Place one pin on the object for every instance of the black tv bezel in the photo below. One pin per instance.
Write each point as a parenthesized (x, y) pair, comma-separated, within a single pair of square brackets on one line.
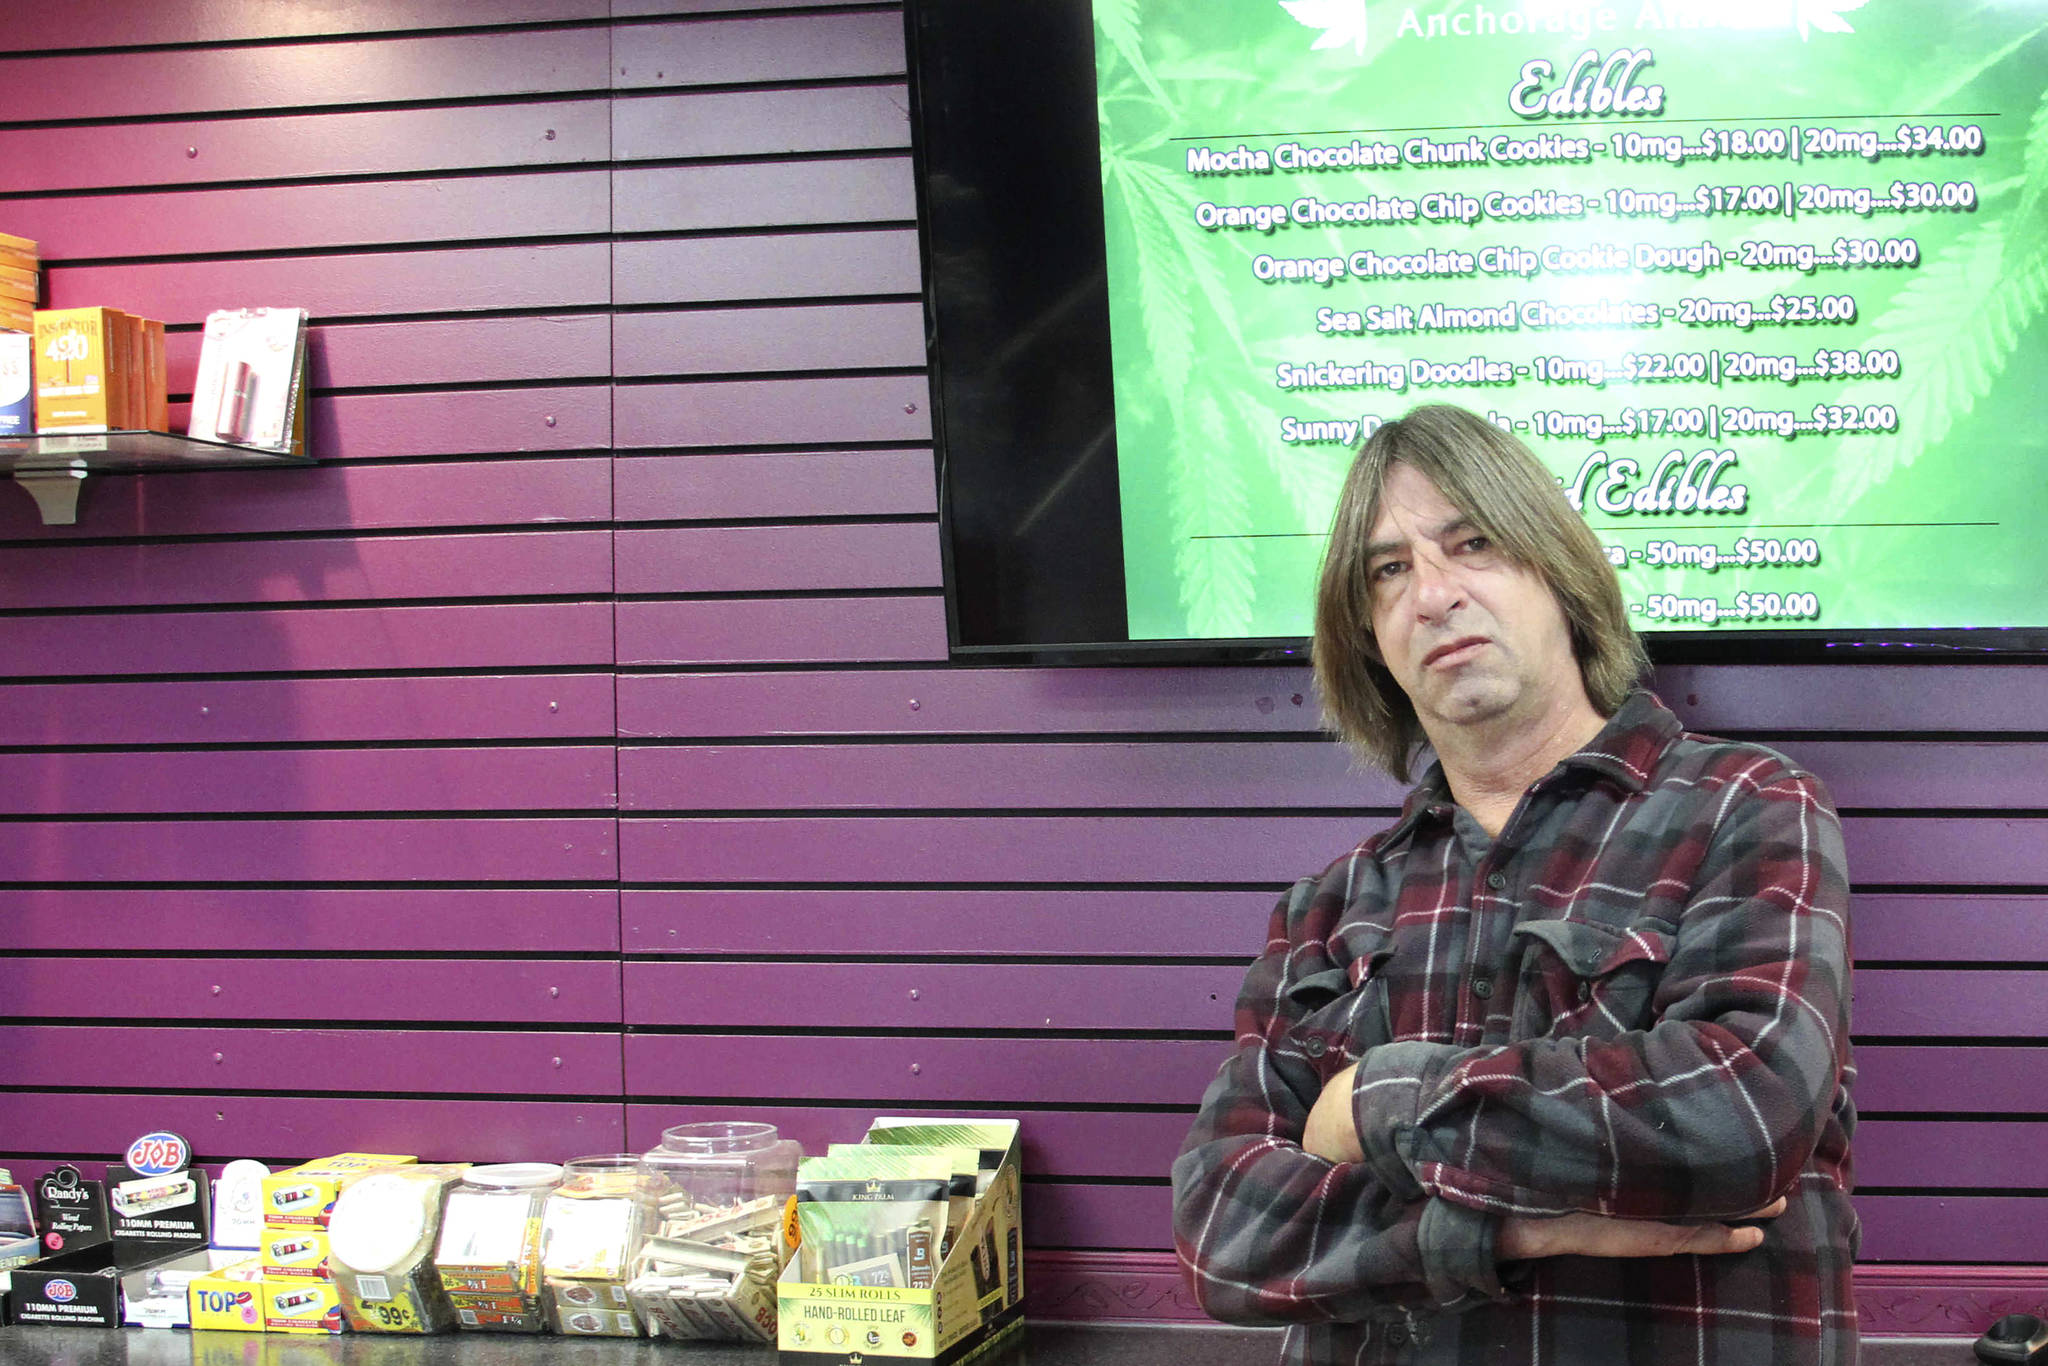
[(1733, 645)]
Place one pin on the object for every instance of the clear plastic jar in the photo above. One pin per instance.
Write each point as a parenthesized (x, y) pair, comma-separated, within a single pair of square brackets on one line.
[(592, 1228), (719, 1190), (489, 1252)]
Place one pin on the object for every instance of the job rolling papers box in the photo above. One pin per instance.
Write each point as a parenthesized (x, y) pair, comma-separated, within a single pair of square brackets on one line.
[(976, 1306)]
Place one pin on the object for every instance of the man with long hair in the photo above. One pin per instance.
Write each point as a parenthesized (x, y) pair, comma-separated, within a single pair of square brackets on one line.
[(1555, 1068)]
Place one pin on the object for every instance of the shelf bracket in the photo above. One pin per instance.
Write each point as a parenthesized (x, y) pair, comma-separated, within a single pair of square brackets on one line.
[(55, 487)]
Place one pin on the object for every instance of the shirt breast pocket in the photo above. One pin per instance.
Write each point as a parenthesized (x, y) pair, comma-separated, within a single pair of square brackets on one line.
[(1344, 1006), (1584, 979)]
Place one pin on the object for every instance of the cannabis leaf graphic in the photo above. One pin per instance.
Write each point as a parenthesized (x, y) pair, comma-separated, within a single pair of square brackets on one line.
[(1826, 15), (1343, 21)]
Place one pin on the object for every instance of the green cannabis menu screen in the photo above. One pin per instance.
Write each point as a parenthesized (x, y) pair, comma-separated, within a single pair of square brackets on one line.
[(1762, 282)]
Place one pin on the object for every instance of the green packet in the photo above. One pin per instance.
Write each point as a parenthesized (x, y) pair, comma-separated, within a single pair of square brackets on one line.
[(966, 1184), (872, 1217), (991, 1138)]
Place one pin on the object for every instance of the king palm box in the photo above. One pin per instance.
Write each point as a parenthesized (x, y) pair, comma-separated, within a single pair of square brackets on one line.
[(839, 1305)]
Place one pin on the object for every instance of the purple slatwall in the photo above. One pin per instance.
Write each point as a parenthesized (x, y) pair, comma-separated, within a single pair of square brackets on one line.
[(573, 751), (309, 828)]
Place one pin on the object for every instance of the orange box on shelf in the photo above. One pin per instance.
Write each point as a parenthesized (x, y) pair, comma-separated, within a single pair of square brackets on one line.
[(76, 379)]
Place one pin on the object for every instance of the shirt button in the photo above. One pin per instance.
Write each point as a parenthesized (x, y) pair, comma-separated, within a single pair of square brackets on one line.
[(1496, 880), (1585, 991), (1396, 1335), (1313, 1047), (1482, 987)]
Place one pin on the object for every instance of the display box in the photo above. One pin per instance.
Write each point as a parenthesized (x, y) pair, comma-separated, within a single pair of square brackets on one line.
[(90, 1288), (977, 1303), (229, 1299), (251, 379), (17, 392), (301, 1306), (303, 1196), (77, 352), (74, 1210), (296, 1253)]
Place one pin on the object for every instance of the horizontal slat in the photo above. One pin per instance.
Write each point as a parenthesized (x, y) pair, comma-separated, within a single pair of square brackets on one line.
[(775, 194), (969, 702), (938, 777), (1070, 849), (1075, 1214), (826, 484), (757, 122), (779, 48), (521, 706), (1951, 1002), (372, 142), (504, 849), (388, 1062), (282, 1130), (1949, 1156), (1123, 924), (1951, 1079), (1951, 1228), (115, 23), (336, 497), (887, 995), (1922, 927), (768, 559), (775, 630), (365, 568), (765, 266), (1970, 850), (561, 275), (469, 779), (327, 990), (733, 341), (1055, 1142), (966, 849), (463, 351), (283, 217), (313, 920), (1856, 697), (774, 412), (301, 75), (570, 417), (545, 635), (1227, 775), (913, 1072)]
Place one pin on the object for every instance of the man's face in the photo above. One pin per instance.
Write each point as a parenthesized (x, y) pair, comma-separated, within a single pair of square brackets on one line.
[(1470, 635)]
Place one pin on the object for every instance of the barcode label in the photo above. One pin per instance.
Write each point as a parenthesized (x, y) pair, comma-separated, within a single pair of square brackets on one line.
[(468, 1317), (373, 1288)]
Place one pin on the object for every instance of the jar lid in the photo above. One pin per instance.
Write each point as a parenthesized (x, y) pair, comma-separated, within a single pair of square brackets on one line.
[(718, 1137), (515, 1175), (381, 1223)]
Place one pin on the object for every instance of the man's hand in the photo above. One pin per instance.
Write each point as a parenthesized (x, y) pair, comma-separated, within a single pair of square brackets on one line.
[(1331, 1132), (1591, 1235)]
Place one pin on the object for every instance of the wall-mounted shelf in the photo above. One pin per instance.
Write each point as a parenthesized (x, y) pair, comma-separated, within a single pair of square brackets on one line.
[(53, 468)]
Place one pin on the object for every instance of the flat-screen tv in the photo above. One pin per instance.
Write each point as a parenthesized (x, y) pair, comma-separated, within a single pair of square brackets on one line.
[(1763, 282)]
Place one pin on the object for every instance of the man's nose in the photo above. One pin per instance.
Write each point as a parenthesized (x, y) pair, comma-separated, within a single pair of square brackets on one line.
[(1438, 589)]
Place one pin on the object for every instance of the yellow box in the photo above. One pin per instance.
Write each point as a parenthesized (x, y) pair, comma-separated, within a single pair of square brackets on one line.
[(303, 1196), (977, 1304), (75, 369), (230, 1298), (296, 1306), (296, 1253)]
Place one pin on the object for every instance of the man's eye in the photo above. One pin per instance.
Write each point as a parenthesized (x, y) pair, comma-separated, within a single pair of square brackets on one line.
[(1383, 571), (1474, 544)]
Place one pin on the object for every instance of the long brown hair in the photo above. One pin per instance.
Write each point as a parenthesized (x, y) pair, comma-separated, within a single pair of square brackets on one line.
[(1492, 479)]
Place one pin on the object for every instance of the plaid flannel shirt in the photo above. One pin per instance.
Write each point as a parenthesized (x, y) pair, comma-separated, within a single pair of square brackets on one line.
[(1633, 1002)]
